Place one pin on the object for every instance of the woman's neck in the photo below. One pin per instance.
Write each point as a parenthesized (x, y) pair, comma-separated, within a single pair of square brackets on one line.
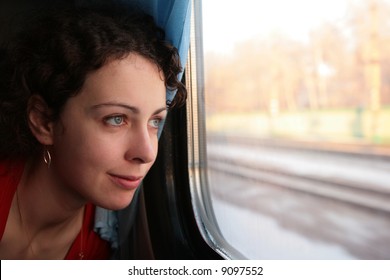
[(44, 202)]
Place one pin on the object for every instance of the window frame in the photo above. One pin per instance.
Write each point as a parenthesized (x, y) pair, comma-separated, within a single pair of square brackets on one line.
[(197, 146)]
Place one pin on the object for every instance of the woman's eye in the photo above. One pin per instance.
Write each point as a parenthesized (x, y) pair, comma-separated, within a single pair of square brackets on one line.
[(155, 123), (115, 120)]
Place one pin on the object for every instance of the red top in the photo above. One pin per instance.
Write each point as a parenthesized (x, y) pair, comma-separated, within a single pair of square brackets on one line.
[(93, 247)]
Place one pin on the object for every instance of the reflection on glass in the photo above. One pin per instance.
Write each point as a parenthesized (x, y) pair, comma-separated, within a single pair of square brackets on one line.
[(297, 113)]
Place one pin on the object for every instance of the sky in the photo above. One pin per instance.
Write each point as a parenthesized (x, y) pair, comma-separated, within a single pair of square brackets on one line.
[(227, 21)]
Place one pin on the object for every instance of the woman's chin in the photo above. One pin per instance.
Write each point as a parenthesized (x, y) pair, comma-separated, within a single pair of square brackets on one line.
[(116, 204)]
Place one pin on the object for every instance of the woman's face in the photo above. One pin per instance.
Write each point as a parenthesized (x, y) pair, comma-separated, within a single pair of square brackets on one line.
[(106, 139)]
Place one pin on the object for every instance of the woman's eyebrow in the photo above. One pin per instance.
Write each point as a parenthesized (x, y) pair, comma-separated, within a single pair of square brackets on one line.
[(115, 104), (160, 110), (133, 109)]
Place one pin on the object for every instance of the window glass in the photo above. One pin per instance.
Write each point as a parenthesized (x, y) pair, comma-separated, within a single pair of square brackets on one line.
[(297, 104)]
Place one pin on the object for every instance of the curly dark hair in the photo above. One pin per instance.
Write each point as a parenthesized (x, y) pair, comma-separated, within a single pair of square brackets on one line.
[(53, 56)]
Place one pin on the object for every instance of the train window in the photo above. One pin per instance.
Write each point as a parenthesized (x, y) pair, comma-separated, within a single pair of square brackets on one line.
[(290, 135)]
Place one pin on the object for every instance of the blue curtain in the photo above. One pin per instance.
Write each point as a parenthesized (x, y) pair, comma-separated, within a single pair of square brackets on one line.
[(174, 17), (171, 15)]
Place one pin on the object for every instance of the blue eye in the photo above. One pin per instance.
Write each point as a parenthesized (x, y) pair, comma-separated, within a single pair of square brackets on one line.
[(155, 123), (115, 120)]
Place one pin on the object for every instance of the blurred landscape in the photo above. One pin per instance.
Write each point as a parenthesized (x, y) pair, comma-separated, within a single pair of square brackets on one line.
[(334, 86)]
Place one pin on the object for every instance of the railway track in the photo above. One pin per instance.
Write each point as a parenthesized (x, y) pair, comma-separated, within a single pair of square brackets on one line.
[(338, 182)]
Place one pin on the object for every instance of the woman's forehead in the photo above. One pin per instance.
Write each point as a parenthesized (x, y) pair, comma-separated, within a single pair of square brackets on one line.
[(134, 81)]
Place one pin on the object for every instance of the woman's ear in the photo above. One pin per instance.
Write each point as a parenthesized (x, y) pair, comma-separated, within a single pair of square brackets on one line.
[(39, 121)]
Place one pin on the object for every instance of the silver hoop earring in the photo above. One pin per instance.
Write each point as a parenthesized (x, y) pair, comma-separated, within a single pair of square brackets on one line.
[(47, 157)]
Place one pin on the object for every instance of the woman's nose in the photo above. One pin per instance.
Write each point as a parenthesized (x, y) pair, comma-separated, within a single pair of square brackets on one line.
[(142, 147)]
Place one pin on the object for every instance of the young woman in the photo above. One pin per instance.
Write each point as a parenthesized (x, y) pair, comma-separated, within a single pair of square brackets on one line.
[(82, 97)]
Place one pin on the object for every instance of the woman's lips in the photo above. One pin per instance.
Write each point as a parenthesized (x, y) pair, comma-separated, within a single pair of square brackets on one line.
[(125, 182)]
